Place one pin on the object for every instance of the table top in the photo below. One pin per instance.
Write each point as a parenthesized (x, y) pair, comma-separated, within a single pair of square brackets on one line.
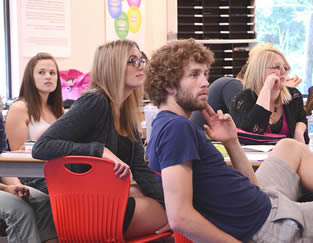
[(20, 164), (18, 157)]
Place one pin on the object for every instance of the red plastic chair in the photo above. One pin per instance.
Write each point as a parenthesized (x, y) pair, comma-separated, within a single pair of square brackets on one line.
[(179, 238), (89, 206)]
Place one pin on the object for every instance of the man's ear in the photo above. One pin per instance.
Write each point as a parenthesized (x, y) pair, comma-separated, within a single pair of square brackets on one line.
[(171, 91)]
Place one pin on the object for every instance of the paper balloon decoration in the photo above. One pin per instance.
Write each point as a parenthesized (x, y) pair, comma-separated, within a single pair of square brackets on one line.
[(134, 3), (121, 25), (115, 8), (134, 19)]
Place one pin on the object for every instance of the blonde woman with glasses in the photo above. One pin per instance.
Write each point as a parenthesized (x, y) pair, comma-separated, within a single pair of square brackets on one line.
[(103, 122), (266, 104)]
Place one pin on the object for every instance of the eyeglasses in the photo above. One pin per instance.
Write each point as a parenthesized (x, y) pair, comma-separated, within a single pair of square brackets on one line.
[(280, 67), (135, 61)]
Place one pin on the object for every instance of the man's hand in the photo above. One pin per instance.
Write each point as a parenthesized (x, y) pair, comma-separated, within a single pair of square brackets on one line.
[(221, 127), (20, 191)]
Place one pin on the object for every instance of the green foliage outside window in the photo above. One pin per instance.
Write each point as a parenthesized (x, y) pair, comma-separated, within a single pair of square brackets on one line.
[(288, 25)]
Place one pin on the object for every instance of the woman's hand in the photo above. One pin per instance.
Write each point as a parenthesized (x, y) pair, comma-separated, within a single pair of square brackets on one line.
[(272, 82), (272, 85), (121, 169), (293, 82)]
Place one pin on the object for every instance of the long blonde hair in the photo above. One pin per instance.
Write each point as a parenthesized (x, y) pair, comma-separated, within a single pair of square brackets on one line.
[(108, 76), (255, 75)]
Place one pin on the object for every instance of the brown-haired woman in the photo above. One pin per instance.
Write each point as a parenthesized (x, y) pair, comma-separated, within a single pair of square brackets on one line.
[(39, 105)]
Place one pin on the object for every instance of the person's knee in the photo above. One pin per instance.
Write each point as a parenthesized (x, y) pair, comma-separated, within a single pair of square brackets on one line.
[(19, 210), (288, 147), (291, 145), (287, 143)]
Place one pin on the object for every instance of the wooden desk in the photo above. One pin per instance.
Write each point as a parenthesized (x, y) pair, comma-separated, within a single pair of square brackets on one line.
[(20, 164)]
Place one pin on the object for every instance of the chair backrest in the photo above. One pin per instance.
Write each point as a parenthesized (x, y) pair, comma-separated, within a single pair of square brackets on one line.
[(179, 238), (89, 206)]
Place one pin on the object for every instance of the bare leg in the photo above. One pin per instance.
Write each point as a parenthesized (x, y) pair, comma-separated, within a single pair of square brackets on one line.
[(297, 156), (149, 215)]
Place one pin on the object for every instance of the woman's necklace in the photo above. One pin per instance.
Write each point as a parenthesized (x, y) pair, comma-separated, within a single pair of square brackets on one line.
[(275, 113), (276, 106)]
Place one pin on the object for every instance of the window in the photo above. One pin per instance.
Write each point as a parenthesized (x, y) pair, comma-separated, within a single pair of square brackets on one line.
[(2, 57), (5, 90), (288, 25)]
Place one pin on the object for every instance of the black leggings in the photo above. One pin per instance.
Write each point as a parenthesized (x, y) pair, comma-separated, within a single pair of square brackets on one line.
[(130, 209)]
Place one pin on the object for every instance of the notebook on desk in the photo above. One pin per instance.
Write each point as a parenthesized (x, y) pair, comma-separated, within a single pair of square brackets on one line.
[(255, 153), (257, 148)]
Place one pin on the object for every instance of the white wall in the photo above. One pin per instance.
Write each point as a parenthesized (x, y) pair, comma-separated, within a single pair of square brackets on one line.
[(88, 32)]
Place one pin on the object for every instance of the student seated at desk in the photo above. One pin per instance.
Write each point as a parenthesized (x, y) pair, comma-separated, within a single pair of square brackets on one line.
[(27, 213), (25, 210), (103, 123), (39, 105), (266, 104), (207, 200)]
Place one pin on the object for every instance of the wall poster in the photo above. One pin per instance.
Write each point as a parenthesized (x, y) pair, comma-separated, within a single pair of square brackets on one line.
[(46, 27)]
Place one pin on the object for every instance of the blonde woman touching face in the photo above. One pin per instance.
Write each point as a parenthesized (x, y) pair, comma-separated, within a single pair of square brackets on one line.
[(267, 104)]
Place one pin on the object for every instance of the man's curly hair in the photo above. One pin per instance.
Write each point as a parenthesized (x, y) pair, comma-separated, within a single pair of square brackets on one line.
[(166, 67)]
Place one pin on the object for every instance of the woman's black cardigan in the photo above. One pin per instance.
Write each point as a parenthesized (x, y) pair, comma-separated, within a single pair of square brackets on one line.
[(86, 129), (251, 117)]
